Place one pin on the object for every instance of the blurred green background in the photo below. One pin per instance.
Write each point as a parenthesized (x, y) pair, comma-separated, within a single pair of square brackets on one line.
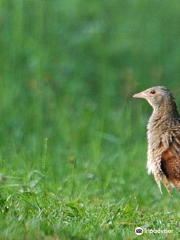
[(65, 61), (68, 70)]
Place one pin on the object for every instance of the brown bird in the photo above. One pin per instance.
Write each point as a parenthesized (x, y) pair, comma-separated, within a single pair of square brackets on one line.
[(163, 134)]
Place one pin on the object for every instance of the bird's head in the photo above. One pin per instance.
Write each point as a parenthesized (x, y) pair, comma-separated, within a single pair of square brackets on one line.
[(156, 96)]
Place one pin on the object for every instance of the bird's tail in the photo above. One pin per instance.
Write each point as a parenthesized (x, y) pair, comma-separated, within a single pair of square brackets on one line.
[(176, 183), (167, 184)]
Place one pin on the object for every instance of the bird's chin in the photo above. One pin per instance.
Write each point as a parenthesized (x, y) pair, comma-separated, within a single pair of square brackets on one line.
[(150, 103)]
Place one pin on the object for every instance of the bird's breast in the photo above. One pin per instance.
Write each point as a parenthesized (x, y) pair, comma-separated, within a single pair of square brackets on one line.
[(156, 129)]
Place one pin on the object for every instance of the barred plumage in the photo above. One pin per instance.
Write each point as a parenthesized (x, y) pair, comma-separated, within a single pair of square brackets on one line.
[(163, 136)]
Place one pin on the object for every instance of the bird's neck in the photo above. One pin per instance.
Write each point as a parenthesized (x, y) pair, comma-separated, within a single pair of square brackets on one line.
[(166, 111), (163, 116)]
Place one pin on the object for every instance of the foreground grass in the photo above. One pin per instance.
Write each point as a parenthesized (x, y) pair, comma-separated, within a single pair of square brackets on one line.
[(47, 216), (98, 189)]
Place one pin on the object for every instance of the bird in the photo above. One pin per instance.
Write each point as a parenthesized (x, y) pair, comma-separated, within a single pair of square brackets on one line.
[(163, 136)]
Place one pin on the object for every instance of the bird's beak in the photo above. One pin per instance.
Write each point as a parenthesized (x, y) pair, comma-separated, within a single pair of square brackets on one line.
[(140, 95)]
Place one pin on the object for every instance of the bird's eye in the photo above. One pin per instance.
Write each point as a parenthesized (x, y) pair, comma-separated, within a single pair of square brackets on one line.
[(152, 92)]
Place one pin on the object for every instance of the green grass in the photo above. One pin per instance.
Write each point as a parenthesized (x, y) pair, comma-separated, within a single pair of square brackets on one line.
[(95, 189), (72, 140)]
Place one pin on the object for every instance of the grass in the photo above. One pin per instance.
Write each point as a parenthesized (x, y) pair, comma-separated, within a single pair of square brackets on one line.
[(73, 141), (95, 190)]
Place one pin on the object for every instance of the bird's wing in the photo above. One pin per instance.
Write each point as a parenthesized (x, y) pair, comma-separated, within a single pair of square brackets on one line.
[(170, 162)]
